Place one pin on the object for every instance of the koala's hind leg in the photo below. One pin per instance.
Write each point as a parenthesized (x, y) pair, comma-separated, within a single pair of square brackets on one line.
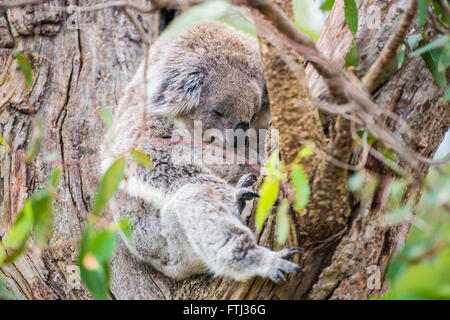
[(225, 245), (147, 241)]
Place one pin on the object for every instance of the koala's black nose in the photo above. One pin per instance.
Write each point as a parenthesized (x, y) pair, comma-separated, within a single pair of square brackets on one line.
[(238, 134), (243, 126)]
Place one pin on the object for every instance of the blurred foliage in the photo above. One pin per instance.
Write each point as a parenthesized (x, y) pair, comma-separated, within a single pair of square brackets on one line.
[(97, 246), (36, 139), (307, 16), (25, 67), (294, 182), (217, 10), (36, 215), (421, 269), (5, 294), (351, 15), (109, 184)]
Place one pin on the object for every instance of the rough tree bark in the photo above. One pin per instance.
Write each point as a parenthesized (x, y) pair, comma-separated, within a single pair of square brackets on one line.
[(81, 68)]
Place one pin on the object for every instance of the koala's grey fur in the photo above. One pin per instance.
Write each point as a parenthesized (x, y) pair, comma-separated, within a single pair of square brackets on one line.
[(185, 215)]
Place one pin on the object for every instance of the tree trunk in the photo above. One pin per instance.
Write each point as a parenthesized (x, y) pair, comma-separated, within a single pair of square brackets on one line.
[(81, 65)]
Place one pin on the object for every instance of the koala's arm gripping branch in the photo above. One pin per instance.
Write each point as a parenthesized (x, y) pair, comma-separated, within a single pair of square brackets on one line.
[(222, 241)]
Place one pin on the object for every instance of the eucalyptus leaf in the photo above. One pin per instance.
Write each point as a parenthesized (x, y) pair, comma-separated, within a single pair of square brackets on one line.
[(95, 251), (142, 158), (25, 67), (42, 204), (351, 15), (125, 227), (283, 225), (109, 184), (36, 139), (268, 197), (301, 187), (422, 13), (352, 56)]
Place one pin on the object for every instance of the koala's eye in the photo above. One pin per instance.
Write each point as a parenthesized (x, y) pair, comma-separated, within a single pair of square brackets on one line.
[(218, 113)]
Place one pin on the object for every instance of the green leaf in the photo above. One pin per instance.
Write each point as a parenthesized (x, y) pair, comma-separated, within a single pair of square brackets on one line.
[(351, 15), (107, 117), (268, 197), (5, 294), (125, 227), (283, 226), (273, 163), (327, 5), (438, 42), (15, 240), (42, 204), (36, 140), (54, 179), (95, 251), (141, 158), (370, 138), (352, 56), (431, 60), (427, 280), (212, 10), (396, 190), (103, 245), (413, 40), (422, 13), (4, 147), (300, 183), (439, 12), (306, 18), (397, 215), (447, 95), (274, 166), (109, 184), (306, 151), (444, 59), (401, 55), (25, 67), (3, 255), (356, 181)]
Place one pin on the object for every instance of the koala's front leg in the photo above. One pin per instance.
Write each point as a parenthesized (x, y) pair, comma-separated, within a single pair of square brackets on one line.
[(224, 244)]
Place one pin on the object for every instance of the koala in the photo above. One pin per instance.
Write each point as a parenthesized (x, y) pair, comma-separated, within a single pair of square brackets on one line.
[(185, 214)]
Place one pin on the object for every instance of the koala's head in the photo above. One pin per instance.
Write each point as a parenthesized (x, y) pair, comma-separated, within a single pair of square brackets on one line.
[(211, 73)]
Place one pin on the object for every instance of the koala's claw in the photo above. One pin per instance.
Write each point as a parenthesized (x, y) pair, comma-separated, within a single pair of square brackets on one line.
[(284, 267), (289, 252), (245, 194), (247, 180), (277, 276)]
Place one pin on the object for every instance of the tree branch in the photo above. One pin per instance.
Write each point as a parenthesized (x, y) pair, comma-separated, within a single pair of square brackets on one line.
[(372, 76)]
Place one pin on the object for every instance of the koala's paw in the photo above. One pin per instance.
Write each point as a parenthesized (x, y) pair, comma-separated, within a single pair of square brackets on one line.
[(247, 180), (280, 268), (243, 195), (289, 252)]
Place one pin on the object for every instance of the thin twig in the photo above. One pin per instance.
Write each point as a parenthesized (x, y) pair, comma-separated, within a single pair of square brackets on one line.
[(144, 37), (156, 5)]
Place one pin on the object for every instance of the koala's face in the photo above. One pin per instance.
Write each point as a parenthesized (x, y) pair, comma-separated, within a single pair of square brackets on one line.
[(210, 78), (230, 104)]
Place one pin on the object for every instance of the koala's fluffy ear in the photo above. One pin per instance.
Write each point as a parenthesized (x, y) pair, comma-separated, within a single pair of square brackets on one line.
[(178, 90)]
